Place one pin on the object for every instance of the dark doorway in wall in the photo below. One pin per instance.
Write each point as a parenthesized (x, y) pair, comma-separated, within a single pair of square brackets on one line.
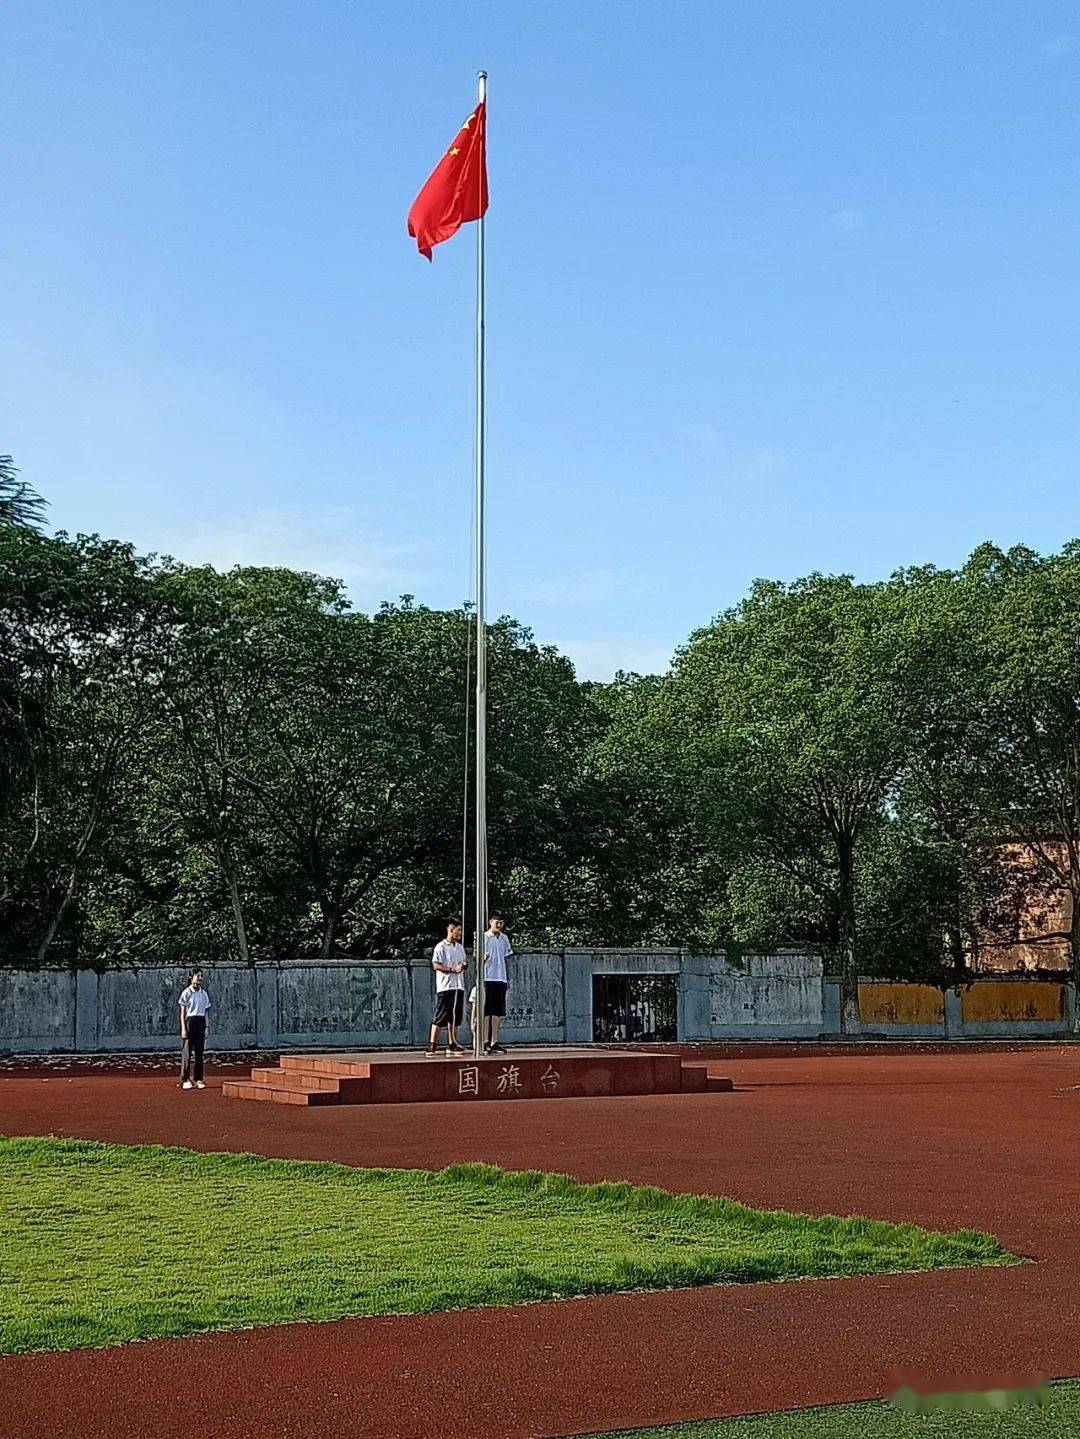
[(635, 1008)]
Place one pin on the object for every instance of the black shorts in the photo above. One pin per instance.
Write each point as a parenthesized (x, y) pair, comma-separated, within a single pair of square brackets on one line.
[(495, 997), (449, 1006)]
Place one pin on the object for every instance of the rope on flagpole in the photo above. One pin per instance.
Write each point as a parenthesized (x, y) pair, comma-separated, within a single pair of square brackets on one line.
[(467, 607), (465, 774), (481, 896)]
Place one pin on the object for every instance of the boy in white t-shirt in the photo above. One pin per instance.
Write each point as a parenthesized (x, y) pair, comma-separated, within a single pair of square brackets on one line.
[(497, 950), (448, 962), (194, 1002)]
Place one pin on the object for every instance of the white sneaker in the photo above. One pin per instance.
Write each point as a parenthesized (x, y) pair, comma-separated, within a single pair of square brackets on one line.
[(187, 1084), (199, 1084)]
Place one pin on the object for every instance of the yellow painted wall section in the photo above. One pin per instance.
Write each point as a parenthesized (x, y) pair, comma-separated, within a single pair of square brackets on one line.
[(997, 1001), (901, 1004)]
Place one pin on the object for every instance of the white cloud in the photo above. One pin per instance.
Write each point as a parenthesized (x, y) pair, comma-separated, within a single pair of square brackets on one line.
[(334, 541), (734, 466), (701, 435), (759, 463), (847, 220), (329, 541), (599, 657), (1057, 47), (584, 587)]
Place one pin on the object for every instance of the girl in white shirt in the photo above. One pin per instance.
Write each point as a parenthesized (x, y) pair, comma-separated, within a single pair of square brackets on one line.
[(194, 1002)]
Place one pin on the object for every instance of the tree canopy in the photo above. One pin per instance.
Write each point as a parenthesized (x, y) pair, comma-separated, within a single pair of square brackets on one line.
[(196, 764)]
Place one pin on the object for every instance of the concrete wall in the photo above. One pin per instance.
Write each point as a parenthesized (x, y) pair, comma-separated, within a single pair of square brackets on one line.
[(579, 966), (900, 1004), (331, 1004), (770, 996), (136, 1008), (37, 1010), (344, 1003), (987, 1009)]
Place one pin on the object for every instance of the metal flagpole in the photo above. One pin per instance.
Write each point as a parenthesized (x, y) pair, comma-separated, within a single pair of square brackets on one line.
[(481, 644)]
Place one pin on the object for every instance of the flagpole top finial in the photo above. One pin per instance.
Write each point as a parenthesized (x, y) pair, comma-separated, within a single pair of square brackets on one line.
[(481, 81)]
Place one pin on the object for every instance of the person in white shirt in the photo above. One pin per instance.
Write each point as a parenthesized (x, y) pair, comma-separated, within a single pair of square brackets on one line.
[(497, 950), (194, 1002), (448, 962)]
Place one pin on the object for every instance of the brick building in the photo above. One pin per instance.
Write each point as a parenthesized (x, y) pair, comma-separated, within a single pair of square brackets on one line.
[(1031, 932)]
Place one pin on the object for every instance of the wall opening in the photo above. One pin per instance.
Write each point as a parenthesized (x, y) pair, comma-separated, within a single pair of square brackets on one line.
[(635, 1008)]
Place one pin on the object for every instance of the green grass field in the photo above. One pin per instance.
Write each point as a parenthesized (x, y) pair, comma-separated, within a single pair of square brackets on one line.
[(101, 1243), (1056, 1418)]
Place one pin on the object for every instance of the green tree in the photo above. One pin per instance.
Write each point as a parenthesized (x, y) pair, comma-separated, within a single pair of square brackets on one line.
[(335, 743), (932, 872), (1030, 756), (21, 507), (77, 628), (223, 653), (791, 718), (640, 874)]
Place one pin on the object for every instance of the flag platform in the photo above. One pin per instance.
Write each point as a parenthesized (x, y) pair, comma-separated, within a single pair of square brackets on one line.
[(525, 1072)]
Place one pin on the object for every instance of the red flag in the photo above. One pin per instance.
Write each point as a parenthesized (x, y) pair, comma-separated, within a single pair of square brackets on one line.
[(456, 190)]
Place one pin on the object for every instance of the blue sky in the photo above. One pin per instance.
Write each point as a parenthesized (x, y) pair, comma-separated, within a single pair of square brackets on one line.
[(773, 287)]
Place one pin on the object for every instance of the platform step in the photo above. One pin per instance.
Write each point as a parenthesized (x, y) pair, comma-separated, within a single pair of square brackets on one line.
[(295, 1079), (401, 1077), (696, 1079), (331, 1068), (271, 1094), (303, 1081)]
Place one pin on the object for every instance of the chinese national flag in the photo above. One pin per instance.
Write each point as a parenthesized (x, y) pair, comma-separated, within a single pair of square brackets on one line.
[(456, 191)]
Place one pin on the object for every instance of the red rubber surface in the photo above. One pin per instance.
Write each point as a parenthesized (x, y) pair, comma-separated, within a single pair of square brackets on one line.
[(991, 1140)]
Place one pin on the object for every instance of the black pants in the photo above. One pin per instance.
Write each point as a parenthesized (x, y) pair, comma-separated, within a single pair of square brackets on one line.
[(449, 1007), (191, 1063)]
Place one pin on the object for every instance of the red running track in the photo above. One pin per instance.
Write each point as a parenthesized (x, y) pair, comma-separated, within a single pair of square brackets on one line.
[(990, 1140)]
